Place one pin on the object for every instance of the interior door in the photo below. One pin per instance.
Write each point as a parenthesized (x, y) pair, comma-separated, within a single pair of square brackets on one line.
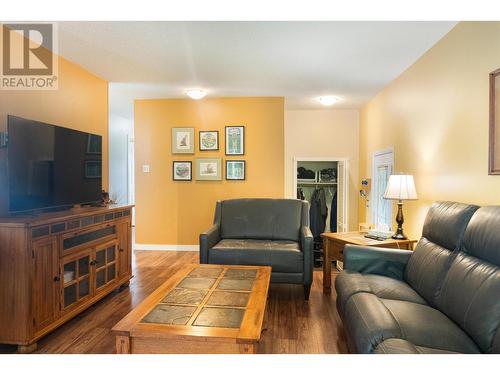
[(381, 209), (46, 284)]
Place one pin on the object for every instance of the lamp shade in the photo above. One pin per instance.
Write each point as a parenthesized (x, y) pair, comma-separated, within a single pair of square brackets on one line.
[(400, 187)]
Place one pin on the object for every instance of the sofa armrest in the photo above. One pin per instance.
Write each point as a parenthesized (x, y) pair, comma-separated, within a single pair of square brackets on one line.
[(376, 260), (306, 245), (208, 240)]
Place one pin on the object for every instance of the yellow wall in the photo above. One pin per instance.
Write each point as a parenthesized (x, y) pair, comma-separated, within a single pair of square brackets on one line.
[(81, 103), (324, 133), (175, 213), (435, 115)]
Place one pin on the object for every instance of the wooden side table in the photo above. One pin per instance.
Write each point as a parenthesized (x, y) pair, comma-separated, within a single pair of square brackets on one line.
[(334, 250)]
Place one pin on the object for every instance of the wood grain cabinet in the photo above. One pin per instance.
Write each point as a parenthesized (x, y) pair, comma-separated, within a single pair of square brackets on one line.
[(54, 266)]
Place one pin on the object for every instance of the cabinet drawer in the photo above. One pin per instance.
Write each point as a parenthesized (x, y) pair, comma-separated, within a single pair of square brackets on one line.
[(85, 238)]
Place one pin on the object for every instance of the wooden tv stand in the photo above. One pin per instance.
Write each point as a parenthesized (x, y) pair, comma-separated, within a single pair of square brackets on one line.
[(55, 265)]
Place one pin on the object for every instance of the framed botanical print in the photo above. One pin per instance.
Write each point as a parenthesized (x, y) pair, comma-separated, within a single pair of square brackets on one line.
[(182, 171), (182, 140), (209, 169), (235, 169), (235, 140), (209, 140), (93, 168)]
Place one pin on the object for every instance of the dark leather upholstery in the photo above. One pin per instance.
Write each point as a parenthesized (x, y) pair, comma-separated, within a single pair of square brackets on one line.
[(443, 230), (399, 346), (448, 300), (284, 256), (269, 219), (271, 232), (470, 294)]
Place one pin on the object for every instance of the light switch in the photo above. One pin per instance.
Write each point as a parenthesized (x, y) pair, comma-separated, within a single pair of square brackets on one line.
[(145, 168)]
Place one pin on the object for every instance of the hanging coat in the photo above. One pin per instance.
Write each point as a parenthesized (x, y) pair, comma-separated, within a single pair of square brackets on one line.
[(333, 213), (318, 212)]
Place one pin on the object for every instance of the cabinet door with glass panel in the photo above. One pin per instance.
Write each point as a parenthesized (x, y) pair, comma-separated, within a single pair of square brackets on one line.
[(76, 278), (105, 264)]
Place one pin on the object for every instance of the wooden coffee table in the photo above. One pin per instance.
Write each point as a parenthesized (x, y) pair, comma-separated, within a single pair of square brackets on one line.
[(210, 309)]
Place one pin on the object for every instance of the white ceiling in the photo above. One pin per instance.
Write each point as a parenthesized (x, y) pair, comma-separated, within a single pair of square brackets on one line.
[(297, 60)]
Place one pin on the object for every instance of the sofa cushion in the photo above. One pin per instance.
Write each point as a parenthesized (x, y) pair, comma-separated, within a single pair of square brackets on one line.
[(348, 283), (443, 229), (400, 346), (370, 320), (273, 219), (282, 256)]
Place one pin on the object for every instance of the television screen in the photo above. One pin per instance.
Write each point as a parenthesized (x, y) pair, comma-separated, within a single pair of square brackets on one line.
[(51, 166)]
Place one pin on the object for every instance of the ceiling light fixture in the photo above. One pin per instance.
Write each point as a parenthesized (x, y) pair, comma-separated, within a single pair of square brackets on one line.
[(327, 100), (196, 94)]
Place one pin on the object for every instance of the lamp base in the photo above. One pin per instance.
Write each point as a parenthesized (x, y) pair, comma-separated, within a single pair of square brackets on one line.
[(399, 236), (400, 220)]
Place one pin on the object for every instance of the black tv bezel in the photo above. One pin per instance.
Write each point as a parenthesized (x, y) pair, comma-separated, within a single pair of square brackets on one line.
[(46, 208)]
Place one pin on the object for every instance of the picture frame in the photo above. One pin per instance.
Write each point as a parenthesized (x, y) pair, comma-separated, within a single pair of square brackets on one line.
[(183, 141), (208, 140), (209, 169), (93, 169), (94, 144), (494, 126), (182, 170), (235, 140), (235, 170)]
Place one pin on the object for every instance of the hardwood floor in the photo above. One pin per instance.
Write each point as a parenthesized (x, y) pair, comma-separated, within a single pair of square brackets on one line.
[(293, 325)]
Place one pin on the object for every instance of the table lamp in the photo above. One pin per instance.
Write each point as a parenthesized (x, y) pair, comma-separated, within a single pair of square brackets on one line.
[(401, 188)]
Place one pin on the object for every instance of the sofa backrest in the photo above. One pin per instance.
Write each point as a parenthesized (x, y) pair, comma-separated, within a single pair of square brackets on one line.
[(443, 230), (272, 219), (470, 294)]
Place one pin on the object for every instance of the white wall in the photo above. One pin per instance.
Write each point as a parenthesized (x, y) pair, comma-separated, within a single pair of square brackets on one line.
[(119, 130), (324, 133)]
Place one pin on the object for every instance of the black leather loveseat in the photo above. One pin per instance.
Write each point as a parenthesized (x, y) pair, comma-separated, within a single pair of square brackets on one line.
[(442, 298), (262, 232)]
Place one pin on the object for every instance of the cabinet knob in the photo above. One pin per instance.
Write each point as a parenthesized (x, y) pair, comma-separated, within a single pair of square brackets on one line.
[(93, 263), (57, 278), (121, 250)]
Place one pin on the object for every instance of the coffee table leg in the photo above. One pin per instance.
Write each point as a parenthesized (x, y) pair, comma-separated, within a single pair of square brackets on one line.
[(327, 267), (248, 348), (122, 345)]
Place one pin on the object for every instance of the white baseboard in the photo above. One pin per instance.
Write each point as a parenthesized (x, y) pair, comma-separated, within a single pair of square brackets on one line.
[(164, 247)]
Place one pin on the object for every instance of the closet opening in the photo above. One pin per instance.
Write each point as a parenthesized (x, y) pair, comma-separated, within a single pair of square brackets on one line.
[(323, 183)]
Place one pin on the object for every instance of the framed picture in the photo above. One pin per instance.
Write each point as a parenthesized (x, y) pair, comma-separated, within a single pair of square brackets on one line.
[(93, 169), (182, 171), (94, 144), (209, 169), (209, 140), (182, 140), (235, 140), (235, 169), (494, 136)]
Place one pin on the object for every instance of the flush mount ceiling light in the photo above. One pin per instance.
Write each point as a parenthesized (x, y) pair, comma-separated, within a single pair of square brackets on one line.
[(196, 94), (327, 100)]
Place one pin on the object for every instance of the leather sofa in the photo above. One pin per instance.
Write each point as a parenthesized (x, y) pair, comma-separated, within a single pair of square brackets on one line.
[(444, 297), (262, 232)]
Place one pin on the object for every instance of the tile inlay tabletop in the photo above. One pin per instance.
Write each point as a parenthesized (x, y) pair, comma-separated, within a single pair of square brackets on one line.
[(201, 309)]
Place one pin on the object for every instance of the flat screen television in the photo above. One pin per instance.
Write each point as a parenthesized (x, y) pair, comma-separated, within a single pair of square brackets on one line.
[(51, 166)]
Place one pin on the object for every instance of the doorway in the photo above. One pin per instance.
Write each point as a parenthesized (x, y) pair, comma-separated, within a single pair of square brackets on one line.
[(382, 168)]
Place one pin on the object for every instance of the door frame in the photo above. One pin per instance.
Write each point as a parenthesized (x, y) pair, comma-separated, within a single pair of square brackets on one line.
[(297, 159), (389, 150)]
